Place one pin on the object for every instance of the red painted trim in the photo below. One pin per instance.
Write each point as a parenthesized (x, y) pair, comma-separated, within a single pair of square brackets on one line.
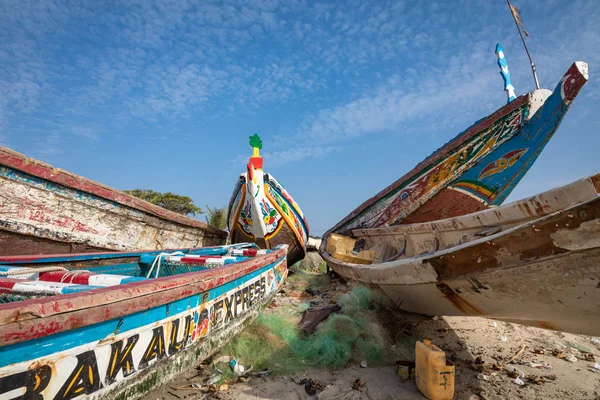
[(442, 152), (81, 278), (573, 83), (437, 207), (20, 162), (7, 283), (32, 319), (257, 162), (194, 260)]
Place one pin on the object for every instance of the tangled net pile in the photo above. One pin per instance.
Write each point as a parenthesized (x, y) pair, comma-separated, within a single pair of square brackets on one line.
[(274, 341)]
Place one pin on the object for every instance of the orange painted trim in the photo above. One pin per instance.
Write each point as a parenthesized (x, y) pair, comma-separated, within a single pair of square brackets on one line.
[(285, 217)]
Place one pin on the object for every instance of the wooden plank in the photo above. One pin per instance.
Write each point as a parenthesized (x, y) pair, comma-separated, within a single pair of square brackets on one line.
[(446, 204)]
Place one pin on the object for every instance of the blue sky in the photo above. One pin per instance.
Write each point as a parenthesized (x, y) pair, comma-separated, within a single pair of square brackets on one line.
[(347, 96)]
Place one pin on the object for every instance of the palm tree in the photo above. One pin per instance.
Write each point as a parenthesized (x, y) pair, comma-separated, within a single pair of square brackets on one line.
[(216, 217)]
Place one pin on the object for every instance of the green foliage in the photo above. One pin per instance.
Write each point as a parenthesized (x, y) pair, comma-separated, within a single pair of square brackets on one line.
[(255, 141), (216, 217), (174, 202)]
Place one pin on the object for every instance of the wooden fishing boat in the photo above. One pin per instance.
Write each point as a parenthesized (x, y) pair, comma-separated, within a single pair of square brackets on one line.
[(116, 325), (262, 211), (45, 210), (535, 261), (478, 168)]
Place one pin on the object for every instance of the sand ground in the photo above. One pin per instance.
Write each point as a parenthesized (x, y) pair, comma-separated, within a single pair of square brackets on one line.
[(489, 357)]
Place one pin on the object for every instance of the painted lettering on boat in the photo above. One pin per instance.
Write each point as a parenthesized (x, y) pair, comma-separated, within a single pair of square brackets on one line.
[(87, 369)]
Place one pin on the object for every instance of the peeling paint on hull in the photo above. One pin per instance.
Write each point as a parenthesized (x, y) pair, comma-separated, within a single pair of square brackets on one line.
[(560, 293), (535, 261), (48, 211)]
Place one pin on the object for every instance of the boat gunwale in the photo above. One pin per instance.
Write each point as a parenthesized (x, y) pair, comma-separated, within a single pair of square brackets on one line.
[(15, 160), (60, 313), (279, 187), (419, 260), (99, 255)]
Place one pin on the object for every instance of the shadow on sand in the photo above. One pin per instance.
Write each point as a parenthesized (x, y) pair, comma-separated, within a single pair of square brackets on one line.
[(286, 375)]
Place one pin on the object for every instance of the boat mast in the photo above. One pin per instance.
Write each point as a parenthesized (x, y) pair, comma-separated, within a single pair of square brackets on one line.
[(537, 84)]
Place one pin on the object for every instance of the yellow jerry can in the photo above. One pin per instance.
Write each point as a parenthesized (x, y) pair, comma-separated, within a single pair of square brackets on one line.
[(434, 374)]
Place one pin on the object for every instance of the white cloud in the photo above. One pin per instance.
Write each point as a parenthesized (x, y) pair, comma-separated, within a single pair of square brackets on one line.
[(297, 153), (292, 154), (345, 70)]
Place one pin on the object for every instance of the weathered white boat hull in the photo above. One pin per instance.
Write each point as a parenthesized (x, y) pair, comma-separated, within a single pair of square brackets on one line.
[(560, 294), (531, 261), (44, 210)]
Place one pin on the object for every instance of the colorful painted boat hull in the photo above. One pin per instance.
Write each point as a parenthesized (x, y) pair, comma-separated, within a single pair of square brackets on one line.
[(44, 210), (263, 212), (535, 261), (123, 341), (477, 169)]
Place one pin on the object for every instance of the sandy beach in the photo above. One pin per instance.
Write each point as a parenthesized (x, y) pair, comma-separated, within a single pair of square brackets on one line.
[(494, 360)]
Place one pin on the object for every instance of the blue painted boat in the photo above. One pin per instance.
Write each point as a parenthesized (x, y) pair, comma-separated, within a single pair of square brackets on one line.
[(117, 325), (477, 169)]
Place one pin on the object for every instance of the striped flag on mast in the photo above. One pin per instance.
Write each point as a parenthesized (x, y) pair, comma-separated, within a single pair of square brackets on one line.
[(519, 23), (517, 16)]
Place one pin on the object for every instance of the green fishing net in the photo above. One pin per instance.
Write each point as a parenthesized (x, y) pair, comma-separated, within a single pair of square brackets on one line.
[(357, 299), (301, 280), (352, 335)]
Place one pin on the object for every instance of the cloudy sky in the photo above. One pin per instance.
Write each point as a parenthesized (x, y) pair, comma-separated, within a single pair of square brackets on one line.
[(347, 95)]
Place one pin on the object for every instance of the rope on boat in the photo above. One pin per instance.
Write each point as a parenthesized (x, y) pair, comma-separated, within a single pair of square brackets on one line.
[(21, 271), (157, 261)]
